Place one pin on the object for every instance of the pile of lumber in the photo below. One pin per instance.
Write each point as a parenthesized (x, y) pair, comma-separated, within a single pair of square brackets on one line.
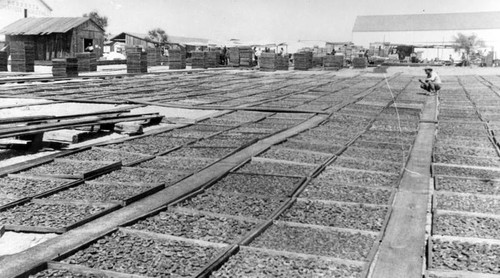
[(176, 59), (282, 62), (137, 61), (83, 61), (4, 60), (246, 55), (333, 62), (234, 57), (154, 56), (22, 56), (199, 60), (302, 60), (93, 61), (213, 58), (65, 67), (359, 63), (268, 61)]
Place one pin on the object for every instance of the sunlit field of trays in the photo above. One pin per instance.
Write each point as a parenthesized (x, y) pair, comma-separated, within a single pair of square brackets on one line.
[(294, 177)]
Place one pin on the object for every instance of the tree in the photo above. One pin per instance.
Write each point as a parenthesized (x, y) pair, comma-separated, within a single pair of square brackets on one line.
[(158, 35), (100, 20), (467, 43)]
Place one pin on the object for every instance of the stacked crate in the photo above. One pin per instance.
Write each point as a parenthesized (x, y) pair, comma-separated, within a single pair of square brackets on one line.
[(65, 67), (268, 61), (234, 57), (246, 55), (176, 59), (137, 61), (213, 58), (359, 63), (154, 56), (302, 60), (198, 60), (22, 56), (4, 60), (93, 61), (333, 62), (282, 62), (317, 60), (83, 61), (71, 67)]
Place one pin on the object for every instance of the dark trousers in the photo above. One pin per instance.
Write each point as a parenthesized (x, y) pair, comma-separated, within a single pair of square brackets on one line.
[(430, 87)]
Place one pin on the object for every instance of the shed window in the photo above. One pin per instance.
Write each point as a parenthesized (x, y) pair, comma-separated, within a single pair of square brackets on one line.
[(88, 45)]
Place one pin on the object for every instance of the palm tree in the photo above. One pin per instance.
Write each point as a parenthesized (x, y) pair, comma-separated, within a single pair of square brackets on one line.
[(467, 43)]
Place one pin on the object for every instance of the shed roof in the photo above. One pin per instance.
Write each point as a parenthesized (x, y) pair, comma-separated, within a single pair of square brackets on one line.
[(428, 22), (44, 25), (171, 39)]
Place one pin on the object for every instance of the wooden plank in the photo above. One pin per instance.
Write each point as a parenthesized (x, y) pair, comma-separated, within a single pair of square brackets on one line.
[(402, 249), (460, 274)]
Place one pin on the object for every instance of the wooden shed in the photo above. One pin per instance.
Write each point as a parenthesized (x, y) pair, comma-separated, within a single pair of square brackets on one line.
[(57, 37)]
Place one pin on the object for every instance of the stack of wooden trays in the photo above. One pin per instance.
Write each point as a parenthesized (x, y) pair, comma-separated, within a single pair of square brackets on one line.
[(83, 61), (93, 61), (302, 60), (4, 60), (359, 63), (268, 61), (213, 58), (234, 57), (199, 60), (333, 62), (282, 62), (246, 55), (176, 59), (59, 67), (71, 67), (317, 60), (154, 56), (22, 56), (137, 61)]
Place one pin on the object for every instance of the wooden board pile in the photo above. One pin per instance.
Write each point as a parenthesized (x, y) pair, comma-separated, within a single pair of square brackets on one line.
[(213, 58), (302, 60), (234, 57), (199, 60), (359, 63), (333, 62), (282, 62), (176, 59), (22, 56), (154, 56), (4, 60), (268, 61), (83, 61), (93, 61), (246, 55), (137, 61), (65, 67)]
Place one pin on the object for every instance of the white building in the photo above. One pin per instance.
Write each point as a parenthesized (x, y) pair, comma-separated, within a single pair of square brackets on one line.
[(13, 10), (427, 29)]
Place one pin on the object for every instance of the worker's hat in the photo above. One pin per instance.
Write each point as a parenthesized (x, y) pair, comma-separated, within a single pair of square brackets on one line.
[(429, 69)]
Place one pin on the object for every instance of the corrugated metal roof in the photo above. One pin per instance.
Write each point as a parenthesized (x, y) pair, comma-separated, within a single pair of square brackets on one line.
[(43, 25), (428, 22)]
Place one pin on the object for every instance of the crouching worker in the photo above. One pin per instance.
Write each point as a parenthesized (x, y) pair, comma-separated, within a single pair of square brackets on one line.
[(432, 83)]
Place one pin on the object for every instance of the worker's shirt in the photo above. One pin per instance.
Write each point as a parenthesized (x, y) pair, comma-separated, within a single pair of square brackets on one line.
[(434, 78)]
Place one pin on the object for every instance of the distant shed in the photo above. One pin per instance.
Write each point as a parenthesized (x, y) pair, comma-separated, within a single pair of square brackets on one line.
[(57, 37)]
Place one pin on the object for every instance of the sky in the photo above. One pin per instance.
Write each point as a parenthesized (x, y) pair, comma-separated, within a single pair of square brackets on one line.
[(255, 20)]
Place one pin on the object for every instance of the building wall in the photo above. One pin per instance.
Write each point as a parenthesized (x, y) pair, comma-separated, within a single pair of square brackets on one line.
[(12, 10), (491, 37), (133, 41), (88, 30)]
